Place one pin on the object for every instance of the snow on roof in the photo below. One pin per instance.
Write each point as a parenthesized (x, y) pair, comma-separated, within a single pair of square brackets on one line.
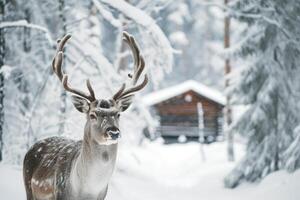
[(167, 93)]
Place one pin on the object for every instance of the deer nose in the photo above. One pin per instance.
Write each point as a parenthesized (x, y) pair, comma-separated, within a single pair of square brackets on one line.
[(113, 132)]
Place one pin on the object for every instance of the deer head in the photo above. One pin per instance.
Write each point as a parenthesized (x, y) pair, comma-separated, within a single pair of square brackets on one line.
[(103, 114)]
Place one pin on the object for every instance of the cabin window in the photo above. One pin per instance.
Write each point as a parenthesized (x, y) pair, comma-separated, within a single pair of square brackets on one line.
[(188, 98)]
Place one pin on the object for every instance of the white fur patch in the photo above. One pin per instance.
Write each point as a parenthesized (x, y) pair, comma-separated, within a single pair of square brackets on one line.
[(108, 142)]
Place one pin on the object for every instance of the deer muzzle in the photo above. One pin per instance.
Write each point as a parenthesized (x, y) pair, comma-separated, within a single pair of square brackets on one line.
[(113, 132)]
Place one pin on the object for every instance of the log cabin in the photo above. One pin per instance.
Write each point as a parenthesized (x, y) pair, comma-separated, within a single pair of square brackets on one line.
[(177, 110)]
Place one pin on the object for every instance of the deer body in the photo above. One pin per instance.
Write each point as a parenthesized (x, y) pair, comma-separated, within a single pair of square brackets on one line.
[(66, 169), (61, 169)]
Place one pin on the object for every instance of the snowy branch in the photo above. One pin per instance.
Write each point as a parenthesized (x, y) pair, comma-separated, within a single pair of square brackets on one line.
[(107, 15), (232, 12), (24, 23), (234, 49), (218, 5), (143, 19)]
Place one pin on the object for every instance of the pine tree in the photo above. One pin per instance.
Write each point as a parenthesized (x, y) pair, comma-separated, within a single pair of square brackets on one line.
[(2, 55), (268, 85)]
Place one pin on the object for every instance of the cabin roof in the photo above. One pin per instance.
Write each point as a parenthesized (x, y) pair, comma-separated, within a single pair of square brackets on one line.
[(167, 93)]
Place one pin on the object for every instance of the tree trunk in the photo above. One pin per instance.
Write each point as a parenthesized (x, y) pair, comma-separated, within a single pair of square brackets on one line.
[(23, 83), (2, 55), (27, 32), (63, 95), (276, 124), (228, 111)]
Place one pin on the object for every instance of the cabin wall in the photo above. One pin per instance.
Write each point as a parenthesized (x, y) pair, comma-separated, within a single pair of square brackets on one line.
[(179, 116)]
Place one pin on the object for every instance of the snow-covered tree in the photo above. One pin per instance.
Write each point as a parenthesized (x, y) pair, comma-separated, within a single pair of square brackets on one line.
[(195, 31), (33, 102), (269, 85), (26, 46)]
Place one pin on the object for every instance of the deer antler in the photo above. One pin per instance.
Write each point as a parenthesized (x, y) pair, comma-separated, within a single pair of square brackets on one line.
[(139, 65), (56, 65)]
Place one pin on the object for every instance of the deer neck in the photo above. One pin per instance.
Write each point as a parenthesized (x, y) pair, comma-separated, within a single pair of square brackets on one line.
[(94, 165)]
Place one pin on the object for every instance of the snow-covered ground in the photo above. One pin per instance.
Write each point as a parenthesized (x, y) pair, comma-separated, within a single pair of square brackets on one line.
[(173, 172)]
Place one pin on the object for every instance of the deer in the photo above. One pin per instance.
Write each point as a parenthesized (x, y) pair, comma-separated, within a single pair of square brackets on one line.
[(57, 168)]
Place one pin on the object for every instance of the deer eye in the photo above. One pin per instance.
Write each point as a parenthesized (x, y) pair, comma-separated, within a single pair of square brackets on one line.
[(93, 116), (118, 115)]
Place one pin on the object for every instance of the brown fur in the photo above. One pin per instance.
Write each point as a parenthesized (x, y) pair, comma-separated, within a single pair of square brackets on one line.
[(45, 161)]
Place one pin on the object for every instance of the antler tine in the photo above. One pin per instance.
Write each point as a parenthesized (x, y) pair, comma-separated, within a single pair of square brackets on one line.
[(62, 42), (129, 39), (138, 59), (139, 70), (57, 60), (120, 91), (139, 65), (136, 88), (89, 86), (68, 88), (56, 65)]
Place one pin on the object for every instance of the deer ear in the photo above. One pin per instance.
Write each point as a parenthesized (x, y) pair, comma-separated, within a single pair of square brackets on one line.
[(125, 102), (81, 104)]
